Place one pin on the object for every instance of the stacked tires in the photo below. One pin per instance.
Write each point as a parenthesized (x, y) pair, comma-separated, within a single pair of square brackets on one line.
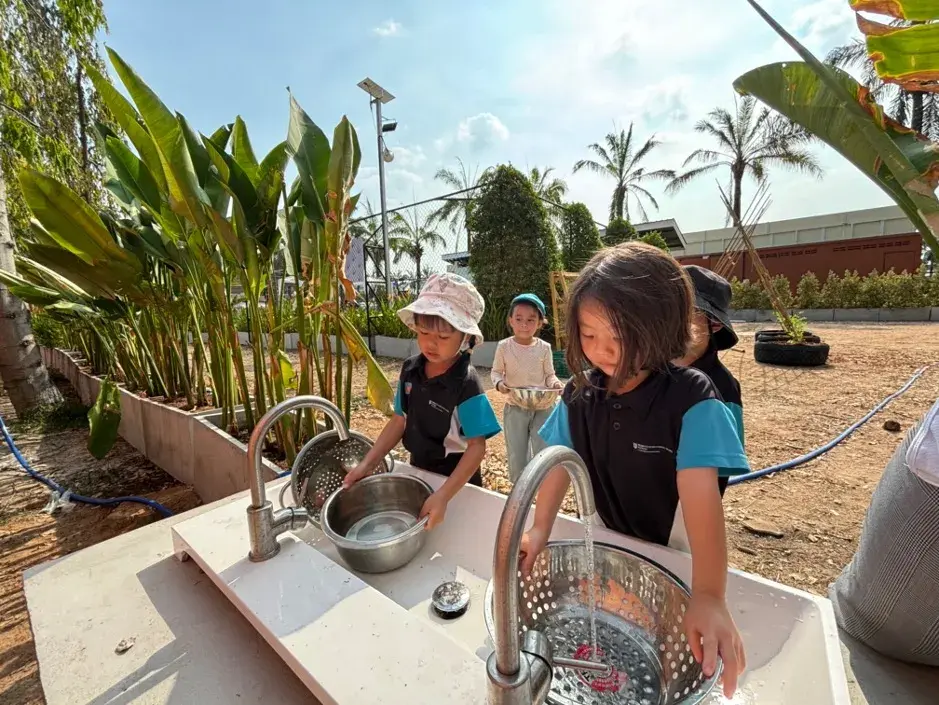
[(773, 347)]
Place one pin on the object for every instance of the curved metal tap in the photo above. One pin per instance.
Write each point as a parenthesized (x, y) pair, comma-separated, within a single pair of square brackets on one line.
[(264, 524), (521, 675)]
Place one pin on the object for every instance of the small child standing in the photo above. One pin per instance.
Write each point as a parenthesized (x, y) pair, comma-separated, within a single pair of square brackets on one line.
[(654, 437), (441, 411), (523, 361), (711, 332)]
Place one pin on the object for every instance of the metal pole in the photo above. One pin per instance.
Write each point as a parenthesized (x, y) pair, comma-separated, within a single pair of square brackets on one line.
[(384, 206)]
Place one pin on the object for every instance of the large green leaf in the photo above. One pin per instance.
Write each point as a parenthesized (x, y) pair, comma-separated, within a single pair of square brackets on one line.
[(310, 149), (69, 220), (128, 119), (908, 56), (30, 293), (242, 150), (103, 419), (377, 387), (913, 10), (133, 173), (844, 115), (186, 196)]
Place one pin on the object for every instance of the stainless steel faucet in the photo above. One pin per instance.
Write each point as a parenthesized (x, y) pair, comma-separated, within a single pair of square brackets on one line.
[(265, 524), (520, 674)]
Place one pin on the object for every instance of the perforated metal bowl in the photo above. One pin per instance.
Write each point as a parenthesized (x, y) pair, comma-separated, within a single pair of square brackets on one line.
[(639, 613), (322, 464), (534, 398)]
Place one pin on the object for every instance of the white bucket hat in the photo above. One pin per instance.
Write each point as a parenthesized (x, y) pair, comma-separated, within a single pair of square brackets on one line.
[(452, 298)]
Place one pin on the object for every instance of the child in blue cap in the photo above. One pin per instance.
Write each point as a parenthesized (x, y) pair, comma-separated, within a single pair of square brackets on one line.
[(523, 360)]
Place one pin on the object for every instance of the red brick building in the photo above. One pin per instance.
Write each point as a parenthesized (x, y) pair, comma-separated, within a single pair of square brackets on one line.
[(865, 240)]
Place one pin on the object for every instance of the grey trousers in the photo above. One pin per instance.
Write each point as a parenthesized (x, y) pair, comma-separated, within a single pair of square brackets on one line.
[(521, 436), (888, 596)]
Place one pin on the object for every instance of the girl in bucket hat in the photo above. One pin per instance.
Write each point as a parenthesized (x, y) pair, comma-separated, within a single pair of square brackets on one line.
[(441, 411)]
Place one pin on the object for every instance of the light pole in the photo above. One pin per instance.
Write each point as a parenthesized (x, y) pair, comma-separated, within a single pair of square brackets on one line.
[(380, 97)]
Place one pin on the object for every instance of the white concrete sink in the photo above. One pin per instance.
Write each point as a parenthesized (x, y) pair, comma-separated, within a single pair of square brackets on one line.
[(332, 626)]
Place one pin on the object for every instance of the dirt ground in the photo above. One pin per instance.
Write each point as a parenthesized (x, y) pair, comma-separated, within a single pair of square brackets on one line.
[(29, 536), (818, 508)]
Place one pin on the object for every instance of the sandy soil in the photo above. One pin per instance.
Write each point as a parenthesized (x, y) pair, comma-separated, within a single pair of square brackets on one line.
[(28, 536)]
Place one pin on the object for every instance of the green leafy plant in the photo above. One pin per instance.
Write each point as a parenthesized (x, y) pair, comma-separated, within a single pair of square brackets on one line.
[(580, 238), (103, 419), (619, 230), (655, 239), (794, 326), (513, 246), (809, 291)]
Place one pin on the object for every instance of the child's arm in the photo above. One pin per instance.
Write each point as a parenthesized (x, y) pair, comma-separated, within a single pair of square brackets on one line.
[(436, 505), (551, 379), (708, 624), (497, 373), (547, 505), (389, 437)]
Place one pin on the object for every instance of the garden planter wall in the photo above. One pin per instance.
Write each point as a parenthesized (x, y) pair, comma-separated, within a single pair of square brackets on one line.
[(845, 315), (190, 447)]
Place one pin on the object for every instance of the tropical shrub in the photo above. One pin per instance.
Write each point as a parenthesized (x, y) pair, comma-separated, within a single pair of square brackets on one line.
[(655, 239), (580, 238), (619, 230), (513, 246)]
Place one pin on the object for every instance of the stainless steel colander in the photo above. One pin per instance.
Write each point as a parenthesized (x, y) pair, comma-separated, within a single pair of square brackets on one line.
[(322, 464), (535, 398), (639, 613)]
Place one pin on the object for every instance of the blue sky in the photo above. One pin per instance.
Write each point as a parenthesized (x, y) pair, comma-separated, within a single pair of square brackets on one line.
[(527, 82)]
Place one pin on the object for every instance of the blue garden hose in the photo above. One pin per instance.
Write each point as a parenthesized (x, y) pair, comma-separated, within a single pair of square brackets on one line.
[(76, 497), (802, 459)]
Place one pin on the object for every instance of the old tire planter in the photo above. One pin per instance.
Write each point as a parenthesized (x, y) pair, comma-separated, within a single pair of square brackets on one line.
[(791, 355), (774, 335)]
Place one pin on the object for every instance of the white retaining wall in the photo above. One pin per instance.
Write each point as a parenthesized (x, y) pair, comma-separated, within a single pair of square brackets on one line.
[(187, 446)]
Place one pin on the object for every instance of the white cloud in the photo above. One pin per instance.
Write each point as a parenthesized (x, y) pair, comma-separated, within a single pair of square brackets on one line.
[(481, 131), (408, 157), (823, 24), (388, 28)]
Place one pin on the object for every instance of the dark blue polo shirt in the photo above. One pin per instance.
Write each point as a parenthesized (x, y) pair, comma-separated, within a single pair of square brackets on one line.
[(727, 386), (442, 413), (634, 444)]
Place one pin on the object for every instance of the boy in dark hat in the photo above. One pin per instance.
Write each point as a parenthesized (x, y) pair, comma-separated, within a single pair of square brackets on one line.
[(711, 333)]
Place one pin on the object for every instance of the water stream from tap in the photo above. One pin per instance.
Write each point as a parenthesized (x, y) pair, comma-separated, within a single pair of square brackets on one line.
[(591, 576)]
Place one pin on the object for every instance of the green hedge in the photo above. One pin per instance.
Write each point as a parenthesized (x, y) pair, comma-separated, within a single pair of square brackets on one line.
[(888, 290)]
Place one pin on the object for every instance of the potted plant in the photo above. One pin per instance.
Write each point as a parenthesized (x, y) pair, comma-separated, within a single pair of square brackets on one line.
[(790, 345)]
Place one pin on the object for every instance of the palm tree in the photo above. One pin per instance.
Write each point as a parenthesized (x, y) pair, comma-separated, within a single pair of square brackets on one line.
[(916, 110), (619, 158), (454, 211), (547, 188), (749, 142), (412, 238)]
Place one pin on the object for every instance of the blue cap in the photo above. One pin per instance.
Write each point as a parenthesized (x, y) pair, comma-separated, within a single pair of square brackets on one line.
[(530, 299)]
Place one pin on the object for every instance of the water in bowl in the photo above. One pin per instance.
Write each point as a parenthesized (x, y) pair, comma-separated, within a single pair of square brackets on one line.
[(381, 526)]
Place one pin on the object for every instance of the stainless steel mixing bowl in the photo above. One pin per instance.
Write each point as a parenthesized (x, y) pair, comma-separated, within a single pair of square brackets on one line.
[(374, 524), (534, 398), (640, 607)]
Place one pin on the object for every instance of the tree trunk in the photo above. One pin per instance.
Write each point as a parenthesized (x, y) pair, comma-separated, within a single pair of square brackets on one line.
[(24, 375), (916, 119), (82, 128)]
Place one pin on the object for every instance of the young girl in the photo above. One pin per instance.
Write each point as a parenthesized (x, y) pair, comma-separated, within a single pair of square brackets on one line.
[(652, 435), (441, 410), (523, 361)]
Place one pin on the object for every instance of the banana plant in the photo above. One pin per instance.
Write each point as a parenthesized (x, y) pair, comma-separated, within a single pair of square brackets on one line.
[(834, 107)]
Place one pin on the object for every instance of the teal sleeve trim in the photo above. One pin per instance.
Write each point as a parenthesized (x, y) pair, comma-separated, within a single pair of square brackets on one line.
[(710, 439)]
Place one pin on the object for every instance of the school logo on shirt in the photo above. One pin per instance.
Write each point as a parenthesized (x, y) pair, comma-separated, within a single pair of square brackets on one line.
[(651, 450), (439, 407), (407, 387)]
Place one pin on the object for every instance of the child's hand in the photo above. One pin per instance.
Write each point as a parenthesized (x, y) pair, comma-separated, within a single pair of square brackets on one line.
[(356, 474), (711, 631), (504, 388), (559, 385), (435, 509), (533, 542)]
